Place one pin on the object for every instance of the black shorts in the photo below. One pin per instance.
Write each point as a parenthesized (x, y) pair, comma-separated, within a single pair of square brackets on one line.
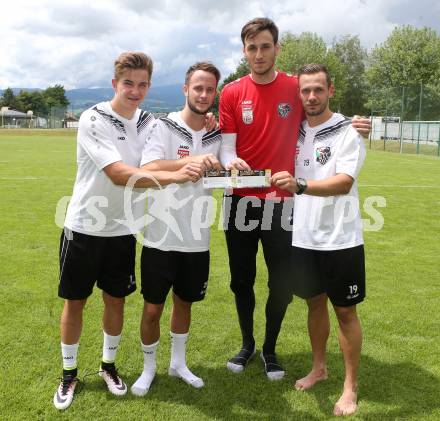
[(338, 273), (86, 259), (186, 272)]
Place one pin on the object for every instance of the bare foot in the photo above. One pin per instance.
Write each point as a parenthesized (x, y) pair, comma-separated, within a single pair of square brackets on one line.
[(347, 403), (311, 379)]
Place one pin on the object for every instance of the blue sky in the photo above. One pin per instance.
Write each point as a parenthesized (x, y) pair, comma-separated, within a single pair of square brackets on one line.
[(74, 43)]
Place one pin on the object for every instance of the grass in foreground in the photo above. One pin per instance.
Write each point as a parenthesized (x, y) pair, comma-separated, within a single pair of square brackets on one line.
[(400, 371)]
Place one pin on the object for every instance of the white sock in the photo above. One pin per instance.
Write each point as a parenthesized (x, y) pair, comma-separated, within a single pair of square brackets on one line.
[(178, 349), (178, 366), (69, 353), (143, 383), (110, 347), (149, 352)]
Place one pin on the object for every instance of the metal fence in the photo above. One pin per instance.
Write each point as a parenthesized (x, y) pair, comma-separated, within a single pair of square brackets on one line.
[(419, 137), (406, 119), (55, 119)]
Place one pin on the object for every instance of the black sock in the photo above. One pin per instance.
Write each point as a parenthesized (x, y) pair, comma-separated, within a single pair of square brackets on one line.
[(275, 311), (245, 304), (107, 366), (70, 373)]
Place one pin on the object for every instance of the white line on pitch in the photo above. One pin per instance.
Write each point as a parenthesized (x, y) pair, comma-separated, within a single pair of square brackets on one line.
[(19, 178), (397, 186)]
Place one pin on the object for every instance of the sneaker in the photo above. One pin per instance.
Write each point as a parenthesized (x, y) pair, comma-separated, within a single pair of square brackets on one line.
[(273, 368), (237, 363), (114, 383), (64, 395)]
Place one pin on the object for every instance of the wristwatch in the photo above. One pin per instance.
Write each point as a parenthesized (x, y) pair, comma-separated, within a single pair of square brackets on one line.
[(302, 185)]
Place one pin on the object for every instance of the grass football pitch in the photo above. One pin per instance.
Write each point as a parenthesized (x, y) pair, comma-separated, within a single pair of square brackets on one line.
[(400, 368)]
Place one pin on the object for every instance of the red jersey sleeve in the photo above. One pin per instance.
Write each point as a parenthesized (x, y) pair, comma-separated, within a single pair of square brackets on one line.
[(226, 112)]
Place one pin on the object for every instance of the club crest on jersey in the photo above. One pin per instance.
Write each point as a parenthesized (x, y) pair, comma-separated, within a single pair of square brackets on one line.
[(183, 151), (284, 109), (323, 154), (247, 112)]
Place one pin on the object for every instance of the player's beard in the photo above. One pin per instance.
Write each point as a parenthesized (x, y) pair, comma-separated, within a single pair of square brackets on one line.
[(194, 109), (319, 111)]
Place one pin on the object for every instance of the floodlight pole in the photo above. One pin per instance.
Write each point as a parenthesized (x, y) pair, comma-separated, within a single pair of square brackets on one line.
[(401, 118), (370, 136), (420, 117), (386, 122), (438, 143)]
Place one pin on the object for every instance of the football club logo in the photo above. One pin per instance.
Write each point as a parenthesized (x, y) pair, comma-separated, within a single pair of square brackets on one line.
[(323, 154), (182, 153), (284, 109), (247, 112)]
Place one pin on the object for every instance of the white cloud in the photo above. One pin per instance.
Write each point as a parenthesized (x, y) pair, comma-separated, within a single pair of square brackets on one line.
[(75, 43)]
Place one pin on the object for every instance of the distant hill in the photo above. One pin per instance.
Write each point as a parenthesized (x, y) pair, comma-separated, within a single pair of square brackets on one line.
[(159, 99)]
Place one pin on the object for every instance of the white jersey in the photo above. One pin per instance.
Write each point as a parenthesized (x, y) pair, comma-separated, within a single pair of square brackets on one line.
[(104, 137), (328, 223), (179, 214)]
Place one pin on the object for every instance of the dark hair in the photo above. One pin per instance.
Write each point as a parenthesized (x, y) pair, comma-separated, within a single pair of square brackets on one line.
[(255, 26), (133, 60), (206, 66), (309, 69)]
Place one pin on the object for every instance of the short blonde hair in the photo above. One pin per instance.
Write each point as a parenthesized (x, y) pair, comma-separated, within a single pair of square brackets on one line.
[(133, 60)]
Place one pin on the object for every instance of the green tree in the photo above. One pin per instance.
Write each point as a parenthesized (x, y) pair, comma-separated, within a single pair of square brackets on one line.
[(23, 101), (55, 96), (9, 99), (400, 69), (409, 56), (297, 50), (353, 56), (34, 101), (308, 47)]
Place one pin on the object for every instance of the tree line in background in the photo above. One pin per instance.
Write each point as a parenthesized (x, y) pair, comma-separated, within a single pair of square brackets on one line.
[(40, 102), (399, 77)]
